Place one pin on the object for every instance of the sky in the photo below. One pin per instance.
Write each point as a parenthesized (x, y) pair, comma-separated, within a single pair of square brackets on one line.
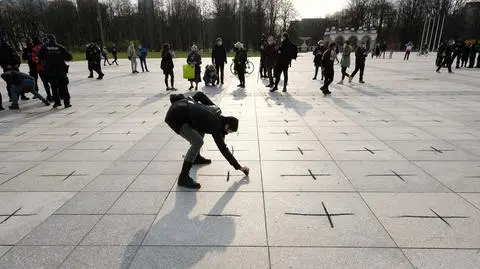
[(318, 8)]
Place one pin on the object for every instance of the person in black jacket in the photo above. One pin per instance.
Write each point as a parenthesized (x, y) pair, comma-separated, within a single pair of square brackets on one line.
[(328, 60), (219, 59), (458, 52), (94, 57), (360, 58), (446, 56), (191, 119), (114, 54), (21, 82), (286, 53), (9, 60), (270, 51), (473, 53), (240, 62), (167, 66), (317, 60), (54, 55)]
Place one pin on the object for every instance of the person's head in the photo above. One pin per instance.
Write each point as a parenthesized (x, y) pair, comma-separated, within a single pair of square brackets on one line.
[(140, 46), (332, 46), (219, 41), (270, 40), (36, 41), (321, 43), (51, 38), (166, 47), (94, 42), (363, 45), (285, 37), (194, 48), (347, 43), (238, 45), (131, 43), (230, 124)]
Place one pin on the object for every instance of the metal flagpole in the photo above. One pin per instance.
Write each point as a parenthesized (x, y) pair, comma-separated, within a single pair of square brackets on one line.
[(441, 31), (99, 17), (423, 35), (430, 46), (436, 34)]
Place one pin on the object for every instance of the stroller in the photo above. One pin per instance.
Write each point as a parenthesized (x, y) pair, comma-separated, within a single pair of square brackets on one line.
[(210, 77)]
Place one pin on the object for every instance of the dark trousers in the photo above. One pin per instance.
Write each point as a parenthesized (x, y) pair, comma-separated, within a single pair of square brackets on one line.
[(458, 56), (471, 63), (263, 67), (115, 58), (143, 63), (445, 61), (169, 73), (270, 76), (329, 75), (94, 66), (358, 67), (105, 60), (344, 73), (316, 72), (407, 56), (220, 67), (44, 79), (60, 89), (279, 69), (241, 74)]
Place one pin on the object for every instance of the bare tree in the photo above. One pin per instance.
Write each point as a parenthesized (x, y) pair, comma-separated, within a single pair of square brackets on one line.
[(272, 8), (287, 14)]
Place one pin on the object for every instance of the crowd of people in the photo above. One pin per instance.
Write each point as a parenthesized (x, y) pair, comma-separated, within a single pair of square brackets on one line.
[(46, 60), (464, 54)]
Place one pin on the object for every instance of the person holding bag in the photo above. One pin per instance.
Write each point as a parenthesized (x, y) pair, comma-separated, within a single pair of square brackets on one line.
[(194, 59)]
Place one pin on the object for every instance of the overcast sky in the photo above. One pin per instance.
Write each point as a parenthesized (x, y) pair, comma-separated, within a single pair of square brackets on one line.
[(318, 8)]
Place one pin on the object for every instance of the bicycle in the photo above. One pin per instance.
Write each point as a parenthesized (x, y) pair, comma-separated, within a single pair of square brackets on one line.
[(250, 68), (423, 52)]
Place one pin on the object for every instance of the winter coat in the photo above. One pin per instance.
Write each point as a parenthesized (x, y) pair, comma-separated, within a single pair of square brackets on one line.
[(195, 59), (142, 53), (240, 59), (345, 62), (318, 53), (167, 62), (36, 58), (285, 53), (202, 117), (54, 56), (328, 59), (132, 52), (270, 52), (219, 55), (360, 55), (93, 53), (8, 57)]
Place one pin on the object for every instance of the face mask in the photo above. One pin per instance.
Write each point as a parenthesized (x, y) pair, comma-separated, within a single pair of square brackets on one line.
[(219, 43), (270, 42), (283, 39)]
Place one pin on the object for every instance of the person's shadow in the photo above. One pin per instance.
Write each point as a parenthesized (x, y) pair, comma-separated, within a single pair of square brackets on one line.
[(177, 228)]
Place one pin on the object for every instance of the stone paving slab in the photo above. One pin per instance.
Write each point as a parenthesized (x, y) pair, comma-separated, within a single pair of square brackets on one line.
[(378, 175)]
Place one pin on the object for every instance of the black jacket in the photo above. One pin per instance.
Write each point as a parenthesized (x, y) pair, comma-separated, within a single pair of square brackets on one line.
[(27, 56), (318, 52), (15, 77), (200, 116), (240, 59), (360, 55), (8, 56), (219, 55), (93, 53), (54, 55), (167, 62), (270, 52), (285, 53)]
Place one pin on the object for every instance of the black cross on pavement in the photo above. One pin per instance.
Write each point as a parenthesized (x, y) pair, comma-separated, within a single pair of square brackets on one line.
[(14, 214), (286, 132), (66, 176), (394, 174), (437, 216), (221, 215), (310, 174), (298, 149), (326, 214), (434, 149), (39, 150), (372, 151), (232, 150), (127, 133), (219, 175)]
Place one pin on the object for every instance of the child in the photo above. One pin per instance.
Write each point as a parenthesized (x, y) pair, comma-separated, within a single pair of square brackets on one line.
[(21, 83), (210, 76)]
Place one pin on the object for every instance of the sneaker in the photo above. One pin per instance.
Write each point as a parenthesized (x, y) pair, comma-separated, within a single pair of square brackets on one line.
[(340, 82), (56, 105), (100, 76), (284, 89), (269, 85), (314, 78), (438, 71), (191, 87), (189, 183), (68, 105), (451, 72), (14, 107), (274, 89), (46, 103), (361, 81), (328, 92), (201, 160), (91, 76)]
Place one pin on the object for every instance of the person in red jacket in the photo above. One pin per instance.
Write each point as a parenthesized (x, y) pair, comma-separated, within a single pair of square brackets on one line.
[(37, 47)]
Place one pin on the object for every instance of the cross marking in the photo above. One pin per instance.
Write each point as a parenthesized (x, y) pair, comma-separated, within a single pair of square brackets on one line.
[(394, 174), (310, 174), (66, 176), (326, 214), (372, 151), (298, 149), (437, 216), (434, 149), (14, 214)]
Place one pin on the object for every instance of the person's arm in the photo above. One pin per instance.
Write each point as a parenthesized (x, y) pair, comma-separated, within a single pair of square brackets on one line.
[(220, 141), (202, 98), (67, 56), (225, 54), (214, 52)]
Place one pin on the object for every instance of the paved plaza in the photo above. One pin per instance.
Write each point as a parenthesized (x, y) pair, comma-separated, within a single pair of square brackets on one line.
[(378, 175)]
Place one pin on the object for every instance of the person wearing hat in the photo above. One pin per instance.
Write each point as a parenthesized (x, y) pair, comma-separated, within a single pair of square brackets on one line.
[(219, 59), (54, 55), (240, 62), (191, 118), (194, 58), (318, 52)]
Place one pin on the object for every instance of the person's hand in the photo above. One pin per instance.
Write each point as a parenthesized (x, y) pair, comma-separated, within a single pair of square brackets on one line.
[(245, 170)]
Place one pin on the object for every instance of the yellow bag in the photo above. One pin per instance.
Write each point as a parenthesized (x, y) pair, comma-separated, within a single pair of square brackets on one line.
[(188, 71)]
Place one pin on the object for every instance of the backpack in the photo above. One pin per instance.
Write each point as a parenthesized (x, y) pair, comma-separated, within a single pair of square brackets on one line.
[(294, 52)]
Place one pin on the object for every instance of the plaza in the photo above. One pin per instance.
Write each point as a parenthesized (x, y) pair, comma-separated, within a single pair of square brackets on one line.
[(378, 175)]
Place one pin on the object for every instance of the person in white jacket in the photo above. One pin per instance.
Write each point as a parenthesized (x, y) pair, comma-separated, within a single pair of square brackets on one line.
[(132, 56)]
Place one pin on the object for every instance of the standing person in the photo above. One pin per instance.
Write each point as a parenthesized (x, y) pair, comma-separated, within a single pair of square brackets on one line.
[(317, 60), (105, 56), (114, 54), (9, 60), (192, 119), (94, 57), (263, 66), (219, 59), (345, 62), (465, 55), (360, 58), (21, 82), (377, 50), (240, 62), (37, 47), (392, 48), (54, 55), (383, 48), (285, 53), (408, 49), (328, 60), (473, 53), (458, 52), (132, 56), (32, 67), (195, 59), (142, 54), (446, 58), (270, 59), (167, 66)]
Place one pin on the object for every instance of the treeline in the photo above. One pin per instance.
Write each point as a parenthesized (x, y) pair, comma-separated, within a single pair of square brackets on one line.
[(401, 21), (179, 22)]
